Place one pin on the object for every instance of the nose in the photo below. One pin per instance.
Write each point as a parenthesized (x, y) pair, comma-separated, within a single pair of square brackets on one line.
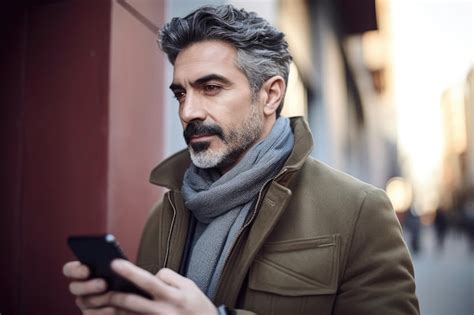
[(192, 108)]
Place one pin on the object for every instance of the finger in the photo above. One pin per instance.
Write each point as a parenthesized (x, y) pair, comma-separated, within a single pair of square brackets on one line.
[(144, 279), (80, 303), (84, 305), (132, 302), (108, 311), (101, 311), (76, 270), (173, 278), (125, 312), (94, 301), (93, 286)]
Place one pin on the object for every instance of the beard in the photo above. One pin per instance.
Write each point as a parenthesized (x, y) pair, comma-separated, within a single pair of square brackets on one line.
[(235, 142)]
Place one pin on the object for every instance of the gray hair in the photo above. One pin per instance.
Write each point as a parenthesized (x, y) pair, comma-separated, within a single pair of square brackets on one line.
[(262, 51)]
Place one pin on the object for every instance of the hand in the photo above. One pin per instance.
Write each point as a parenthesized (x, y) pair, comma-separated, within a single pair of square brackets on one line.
[(80, 284), (172, 294)]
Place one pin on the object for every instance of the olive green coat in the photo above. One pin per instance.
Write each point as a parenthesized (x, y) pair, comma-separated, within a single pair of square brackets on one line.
[(319, 242)]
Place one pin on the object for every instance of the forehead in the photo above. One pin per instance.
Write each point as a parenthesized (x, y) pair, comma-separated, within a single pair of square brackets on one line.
[(201, 58)]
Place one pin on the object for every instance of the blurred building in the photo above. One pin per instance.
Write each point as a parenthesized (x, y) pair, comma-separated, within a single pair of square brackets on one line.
[(454, 146), (468, 161), (457, 106)]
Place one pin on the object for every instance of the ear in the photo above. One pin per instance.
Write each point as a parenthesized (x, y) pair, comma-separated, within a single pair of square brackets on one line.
[(274, 90)]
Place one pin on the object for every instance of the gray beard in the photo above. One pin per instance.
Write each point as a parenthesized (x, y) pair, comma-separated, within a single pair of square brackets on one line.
[(235, 144), (206, 159)]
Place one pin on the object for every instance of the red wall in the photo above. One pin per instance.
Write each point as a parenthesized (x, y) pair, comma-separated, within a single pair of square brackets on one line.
[(12, 50), (59, 174), (136, 133)]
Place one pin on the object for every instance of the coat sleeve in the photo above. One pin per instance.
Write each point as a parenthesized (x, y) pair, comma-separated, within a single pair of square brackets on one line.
[(378, 276)]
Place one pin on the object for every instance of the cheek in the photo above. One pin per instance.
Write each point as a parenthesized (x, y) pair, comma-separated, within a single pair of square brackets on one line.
[(234, 111), (183, 125), (180, 115)]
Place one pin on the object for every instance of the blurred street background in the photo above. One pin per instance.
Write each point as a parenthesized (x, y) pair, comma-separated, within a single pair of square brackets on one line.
[(387, 87), (444, 276)]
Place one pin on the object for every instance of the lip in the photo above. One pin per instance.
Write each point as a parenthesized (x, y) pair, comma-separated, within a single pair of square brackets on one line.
[(201, 137)]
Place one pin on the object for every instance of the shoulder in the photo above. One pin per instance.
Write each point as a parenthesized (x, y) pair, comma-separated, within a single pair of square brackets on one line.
[(323, 175), (320, 184), (331, 202)]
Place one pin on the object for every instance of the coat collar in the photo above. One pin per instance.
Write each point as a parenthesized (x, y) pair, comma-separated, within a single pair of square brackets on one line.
[(170, 172)]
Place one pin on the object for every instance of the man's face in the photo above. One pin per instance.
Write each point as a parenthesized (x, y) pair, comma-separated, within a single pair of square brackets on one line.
[(220, 119)]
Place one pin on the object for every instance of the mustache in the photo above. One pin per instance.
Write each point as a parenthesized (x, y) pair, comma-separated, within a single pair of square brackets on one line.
[(197, 127)]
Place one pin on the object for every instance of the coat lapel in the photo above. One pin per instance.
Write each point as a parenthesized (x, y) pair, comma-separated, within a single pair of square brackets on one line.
[(249, 243), (177, 234)]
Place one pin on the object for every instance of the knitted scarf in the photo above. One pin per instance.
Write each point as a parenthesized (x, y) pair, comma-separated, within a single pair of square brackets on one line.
[(221, 203)]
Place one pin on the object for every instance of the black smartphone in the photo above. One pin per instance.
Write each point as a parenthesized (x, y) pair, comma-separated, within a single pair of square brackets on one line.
[(97, 252)]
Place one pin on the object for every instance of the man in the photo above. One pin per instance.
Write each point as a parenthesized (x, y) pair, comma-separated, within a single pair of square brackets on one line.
[(251, 223)]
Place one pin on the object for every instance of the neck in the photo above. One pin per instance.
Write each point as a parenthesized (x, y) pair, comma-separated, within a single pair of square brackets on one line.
[(233, 159)]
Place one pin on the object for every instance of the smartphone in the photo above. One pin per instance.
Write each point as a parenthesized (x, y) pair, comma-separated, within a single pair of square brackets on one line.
[(97, 252)]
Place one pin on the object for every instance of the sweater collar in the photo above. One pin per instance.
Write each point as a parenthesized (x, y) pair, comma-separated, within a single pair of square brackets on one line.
[(170, 172)]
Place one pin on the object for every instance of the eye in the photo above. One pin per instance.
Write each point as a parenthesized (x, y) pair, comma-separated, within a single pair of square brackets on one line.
[(179, 95), (211, 89)]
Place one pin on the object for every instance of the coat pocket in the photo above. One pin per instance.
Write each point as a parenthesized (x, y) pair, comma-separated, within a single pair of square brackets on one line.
[(297, 267)]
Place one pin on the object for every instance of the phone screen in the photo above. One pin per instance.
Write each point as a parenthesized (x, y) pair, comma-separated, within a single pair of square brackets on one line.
[(97, 252)]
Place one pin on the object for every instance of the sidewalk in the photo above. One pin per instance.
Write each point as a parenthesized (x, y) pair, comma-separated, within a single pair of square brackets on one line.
[(444, 279)]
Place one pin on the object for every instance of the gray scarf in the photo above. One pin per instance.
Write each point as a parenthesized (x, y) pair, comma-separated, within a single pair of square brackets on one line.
[(221, 203)]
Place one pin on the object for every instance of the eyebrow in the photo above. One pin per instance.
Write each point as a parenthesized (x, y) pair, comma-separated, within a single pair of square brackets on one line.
[(203, 80)]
